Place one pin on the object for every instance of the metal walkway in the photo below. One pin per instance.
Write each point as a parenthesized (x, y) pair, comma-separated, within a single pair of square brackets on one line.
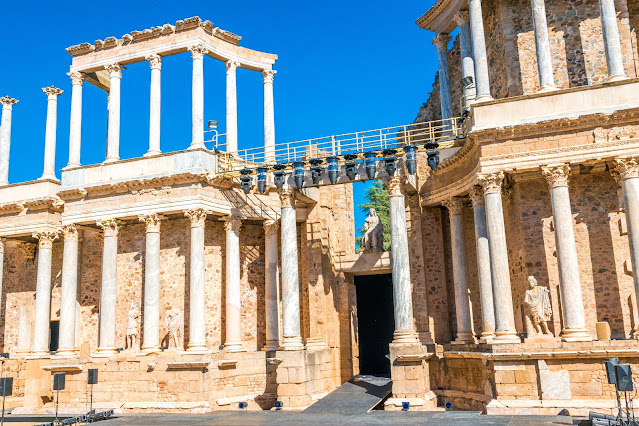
[(357, 396)]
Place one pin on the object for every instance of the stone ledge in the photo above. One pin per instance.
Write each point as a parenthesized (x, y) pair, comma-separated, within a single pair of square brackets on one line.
[(414, 357), (515, 356), (227, 363), (235, 399), (274, 361), (187, 365), (69, 368)]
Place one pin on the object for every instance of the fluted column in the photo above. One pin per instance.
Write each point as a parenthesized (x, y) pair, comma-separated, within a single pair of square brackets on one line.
[(269, 115), (233, 343), (155, 62), (5, 137), (479, 51), (271, 286), (572, 304), (50, 132), (502, 292), (109, 289), (544, 58), (292, 339), (466, 50), (197, 96), (483, 265), (402, 288), (40, 345), (612, 42), (441, 43), (69, 291), (113, 125), (460, 272), (197, 326), (628, 168), (231, 105), (151, 314), (75, 126)]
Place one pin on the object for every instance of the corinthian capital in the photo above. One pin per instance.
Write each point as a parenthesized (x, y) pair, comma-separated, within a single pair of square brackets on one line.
[(476, 194), (232, 223), (8, 102), (394, 185), (52, 91), (462, 17), (152, 222), (70, 233), (46, 238), (76, 78), (454, 206), (556, 174), (491, 182), (270, 227), (441, 40), (114, 69), (268, 75), (627, 167), (109, 226), (231, 65), (197, 217), (198, 51), (287, 197), (155, 61)]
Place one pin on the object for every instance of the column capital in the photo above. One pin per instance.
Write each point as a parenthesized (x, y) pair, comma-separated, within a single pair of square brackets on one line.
[(441, 40), (268, 75), (52, 91), (491, 182), (395, 186), (115, 69), (198, 51), (109, 226), (231, 65), (152, 222), (8, 102), (70, 233), (270, 227), (462, 17), (46, 238), (155, 61), (454, 205), (197, 217), (77, 78), (556, 174), (627, 167), (232, 223), (476, 194), (287, 197)]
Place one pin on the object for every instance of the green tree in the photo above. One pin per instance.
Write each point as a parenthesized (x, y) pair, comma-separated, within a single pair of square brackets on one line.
[(377, 198)]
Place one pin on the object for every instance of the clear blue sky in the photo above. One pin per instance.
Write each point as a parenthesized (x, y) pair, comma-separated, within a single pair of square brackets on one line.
[(343, 66)]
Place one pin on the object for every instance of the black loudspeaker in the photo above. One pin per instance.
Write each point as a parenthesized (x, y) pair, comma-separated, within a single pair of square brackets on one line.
[(6, 386), (610, 370), (58, 381), (93, 376), (624, 377)]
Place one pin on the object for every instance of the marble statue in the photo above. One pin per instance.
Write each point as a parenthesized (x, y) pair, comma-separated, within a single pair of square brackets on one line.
[(539, 310), (175, 327), (374, 237), (132, 326)]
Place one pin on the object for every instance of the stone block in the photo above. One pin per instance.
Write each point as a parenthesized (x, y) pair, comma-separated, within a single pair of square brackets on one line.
[(505, 377)]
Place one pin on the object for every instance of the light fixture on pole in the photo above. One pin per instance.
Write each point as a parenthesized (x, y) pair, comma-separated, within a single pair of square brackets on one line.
[(333, 169), (351, 166), (316, 169), (411, 158), (247, 180), (298, 173), (433, 155), (261, 179), (370, 164)]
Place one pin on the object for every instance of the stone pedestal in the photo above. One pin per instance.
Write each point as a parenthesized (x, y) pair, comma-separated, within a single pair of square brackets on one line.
[(410, 376)]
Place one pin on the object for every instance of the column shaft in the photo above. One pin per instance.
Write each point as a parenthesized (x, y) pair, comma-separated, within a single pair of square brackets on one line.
[(69, 291), (197, 97), (233, 290), (544, 58), (271, 289), (109, 289), (40, 345), (466, 51), (612, 42), (75, 126), (2, 247), (151, 314), (269, 116), (441, 42), (5, 137), (479, 51), (113, 124), (197, 326), (231, 106), (155, 105), (50, 132)]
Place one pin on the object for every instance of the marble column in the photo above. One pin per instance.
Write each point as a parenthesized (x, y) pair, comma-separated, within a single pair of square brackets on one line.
[(2, 248), (197, 97), (69, 292), (271, 286), (24, 330), (628, 169), (50, 132), (482, 79), (155, 61), (505, 331), (460, 272), (572, 304), (231, 105), (233, 343), (40, 344), (544, 57), (151, 314), (466, 51), (113, 122), (197, 325), (441, 43), (292, 338), (109, 289), (402, 288), (75, 126), (269, 116), (483, 265), (5, 137), (612, 42)]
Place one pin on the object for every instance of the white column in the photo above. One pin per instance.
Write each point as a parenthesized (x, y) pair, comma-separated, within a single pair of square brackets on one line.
[(231, 105), (113, 124), (466, 51), (460, 272), (544, 58), (151, 332), (572, 303), (269, 116), (483, 265), (69, 292), (502, 292), (50, 132), (2, 247), (233, 341), (402, 288), (292, 339), (612, 42), (197, 326), (482, 81), (75, 126), (109, 289), (40, 345), (628, 168), (5, 137), (24, 331), (271, 286), (155, 61), (441, 43), (197, 96)]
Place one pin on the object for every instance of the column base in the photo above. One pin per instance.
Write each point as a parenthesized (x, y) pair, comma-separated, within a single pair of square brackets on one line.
[(234, 347), (426, 338), (197, 145), (38, 354), (148, 350), (616, 77), (487, 337), (464, 339), (105, 352), (49, 177), (575, 335), (505, 337), (405, 336), (196, 348), (67, 353), (111, 160), (546, 89), (152, 153), (483, 98), (315, 343), (272, 345), (71, 166), (292, 343)]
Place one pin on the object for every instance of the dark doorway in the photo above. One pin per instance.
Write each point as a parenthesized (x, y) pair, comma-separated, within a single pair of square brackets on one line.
[(375, 323), (54, 330)]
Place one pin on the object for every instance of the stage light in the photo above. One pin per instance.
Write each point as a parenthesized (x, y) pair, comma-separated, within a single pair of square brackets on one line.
[(411, 159), (467, 81), (242, 405), (298, 173), (333, 169), (405, 405), (247, 180), (370, 164), (316, 170), (261, 179), (279, 404), (390, 161), (433, 159), (279, 175), (448, 405), (351, 166)]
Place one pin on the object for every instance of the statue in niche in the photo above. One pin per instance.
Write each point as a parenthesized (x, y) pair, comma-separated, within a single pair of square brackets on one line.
[(539, 310), (374, 237), (174, 327), (132, 327)]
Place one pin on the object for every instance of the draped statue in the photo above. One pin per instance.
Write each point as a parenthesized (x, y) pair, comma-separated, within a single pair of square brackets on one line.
[(175, 327), (539, 310), (132, 326), (374, 237)]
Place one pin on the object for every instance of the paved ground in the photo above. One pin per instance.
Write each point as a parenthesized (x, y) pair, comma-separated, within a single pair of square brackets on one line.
[(357, 396)]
